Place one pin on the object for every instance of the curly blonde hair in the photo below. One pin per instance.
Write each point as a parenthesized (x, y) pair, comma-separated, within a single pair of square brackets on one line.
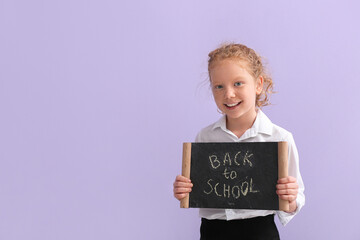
[(254, 66)]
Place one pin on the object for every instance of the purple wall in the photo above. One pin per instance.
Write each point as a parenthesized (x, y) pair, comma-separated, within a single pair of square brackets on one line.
[(96, 98)]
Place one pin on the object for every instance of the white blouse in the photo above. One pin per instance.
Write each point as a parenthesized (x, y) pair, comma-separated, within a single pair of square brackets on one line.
[(263, 130)]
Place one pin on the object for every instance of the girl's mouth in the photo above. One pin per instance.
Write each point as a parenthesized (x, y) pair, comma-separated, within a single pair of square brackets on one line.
[(232, 105)]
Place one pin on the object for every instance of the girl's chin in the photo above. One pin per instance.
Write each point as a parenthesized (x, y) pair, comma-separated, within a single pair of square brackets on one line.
[(236, 115)]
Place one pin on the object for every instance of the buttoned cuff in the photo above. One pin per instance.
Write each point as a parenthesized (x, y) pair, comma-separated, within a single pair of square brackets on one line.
[(285, 217)]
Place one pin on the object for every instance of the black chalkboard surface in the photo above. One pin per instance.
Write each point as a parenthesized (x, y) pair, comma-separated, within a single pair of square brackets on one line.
[(235, 175)]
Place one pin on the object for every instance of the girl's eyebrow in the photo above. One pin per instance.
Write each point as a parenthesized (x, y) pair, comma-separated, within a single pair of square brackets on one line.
[(239, 78), (216, 82)]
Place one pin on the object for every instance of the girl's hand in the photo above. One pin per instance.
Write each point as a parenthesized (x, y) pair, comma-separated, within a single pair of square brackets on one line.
[(182, 187), (287, 189)]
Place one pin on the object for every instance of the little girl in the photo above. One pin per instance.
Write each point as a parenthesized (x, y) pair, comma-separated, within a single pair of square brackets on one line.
[(240, 88)]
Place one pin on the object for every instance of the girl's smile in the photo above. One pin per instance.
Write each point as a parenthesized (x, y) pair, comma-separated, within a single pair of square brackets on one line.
[(232, 105)]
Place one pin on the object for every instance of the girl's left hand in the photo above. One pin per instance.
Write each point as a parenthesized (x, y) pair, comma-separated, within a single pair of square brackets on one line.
[(287, 189)]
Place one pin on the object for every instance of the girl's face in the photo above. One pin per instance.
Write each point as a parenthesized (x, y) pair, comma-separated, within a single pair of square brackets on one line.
[(234, 89)]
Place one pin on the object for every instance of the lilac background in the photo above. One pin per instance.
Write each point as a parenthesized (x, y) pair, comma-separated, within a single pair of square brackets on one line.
[(96, 98)]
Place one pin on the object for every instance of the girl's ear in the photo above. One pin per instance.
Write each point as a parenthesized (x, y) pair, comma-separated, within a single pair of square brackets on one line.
[(259, 85)]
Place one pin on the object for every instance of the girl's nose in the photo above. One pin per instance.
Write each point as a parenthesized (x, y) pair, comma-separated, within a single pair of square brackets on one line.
[(229, 93)]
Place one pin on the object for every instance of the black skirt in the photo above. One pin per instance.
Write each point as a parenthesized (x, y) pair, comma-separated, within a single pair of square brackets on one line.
[(258, 228)]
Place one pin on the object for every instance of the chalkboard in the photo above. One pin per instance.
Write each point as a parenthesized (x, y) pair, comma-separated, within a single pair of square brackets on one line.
[(235, 175)]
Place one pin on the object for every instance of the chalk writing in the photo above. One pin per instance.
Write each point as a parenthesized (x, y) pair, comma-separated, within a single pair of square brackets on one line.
[(227, 190), (228, 174), (227, 159), (236, 191), (215, 163)]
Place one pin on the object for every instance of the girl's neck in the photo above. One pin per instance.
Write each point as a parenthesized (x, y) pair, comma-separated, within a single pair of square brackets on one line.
[(238, 126)]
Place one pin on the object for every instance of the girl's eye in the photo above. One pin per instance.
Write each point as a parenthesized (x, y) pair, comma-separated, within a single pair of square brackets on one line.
[(218, 87), (238, 84)]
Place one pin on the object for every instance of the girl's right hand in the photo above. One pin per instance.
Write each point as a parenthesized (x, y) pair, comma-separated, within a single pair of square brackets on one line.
[(182, 187)]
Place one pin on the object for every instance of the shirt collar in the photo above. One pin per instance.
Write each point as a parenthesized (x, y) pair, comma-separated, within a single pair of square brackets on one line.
[(262, 124), (221, 123)]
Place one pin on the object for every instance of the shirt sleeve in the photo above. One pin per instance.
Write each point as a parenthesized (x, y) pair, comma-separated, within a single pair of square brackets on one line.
[(198, 138), (294, 171)]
